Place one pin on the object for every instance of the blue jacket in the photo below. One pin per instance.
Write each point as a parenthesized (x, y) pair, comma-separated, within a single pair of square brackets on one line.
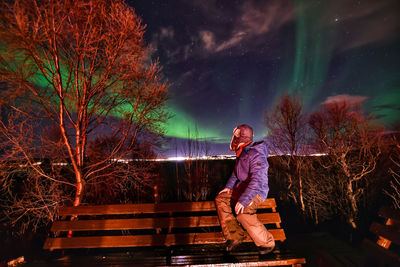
[(250, 176)]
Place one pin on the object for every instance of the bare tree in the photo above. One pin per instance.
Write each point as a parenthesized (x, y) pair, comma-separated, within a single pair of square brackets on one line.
[(30, 190), (352, 144), (196, 169), (394, 191), (287, 132), (82, 67), (318, 191)]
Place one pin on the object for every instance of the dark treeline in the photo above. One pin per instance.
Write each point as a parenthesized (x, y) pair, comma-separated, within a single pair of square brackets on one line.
[(201, 180)]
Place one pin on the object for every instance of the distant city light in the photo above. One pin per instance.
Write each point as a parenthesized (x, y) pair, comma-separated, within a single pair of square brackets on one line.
[(34, 164), (180, 158), (122, 160), (183, 158), (60, 164), (317, 154)]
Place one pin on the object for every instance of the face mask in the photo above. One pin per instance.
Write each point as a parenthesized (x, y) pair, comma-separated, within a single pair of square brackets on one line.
[(242, 136), (235, 139)]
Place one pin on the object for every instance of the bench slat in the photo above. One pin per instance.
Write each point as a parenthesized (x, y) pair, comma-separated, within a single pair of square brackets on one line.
[(150, 223), (149, 208), (144, 240), (389, 232)]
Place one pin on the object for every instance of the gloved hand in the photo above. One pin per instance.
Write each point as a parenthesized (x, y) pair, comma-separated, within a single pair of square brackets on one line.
[(239, 208), (225, 190)]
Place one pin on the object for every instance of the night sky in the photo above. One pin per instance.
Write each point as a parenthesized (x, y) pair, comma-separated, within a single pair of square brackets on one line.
[(229, 61)]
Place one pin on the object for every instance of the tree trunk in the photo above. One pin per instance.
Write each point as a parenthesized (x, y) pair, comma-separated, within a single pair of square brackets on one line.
[(79, 188), (352, 199), (303, 207)]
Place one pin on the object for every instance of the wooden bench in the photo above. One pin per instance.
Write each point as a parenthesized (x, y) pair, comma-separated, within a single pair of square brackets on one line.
[(154, 225), (385, 249)]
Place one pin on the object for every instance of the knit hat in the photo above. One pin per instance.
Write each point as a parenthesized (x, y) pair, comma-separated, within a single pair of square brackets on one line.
[(242, 134)]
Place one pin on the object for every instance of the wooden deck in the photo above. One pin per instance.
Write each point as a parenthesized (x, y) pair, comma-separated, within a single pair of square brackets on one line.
[(195, 255)]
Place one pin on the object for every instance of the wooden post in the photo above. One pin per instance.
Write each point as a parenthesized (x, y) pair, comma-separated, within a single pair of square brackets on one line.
[(155, 188)]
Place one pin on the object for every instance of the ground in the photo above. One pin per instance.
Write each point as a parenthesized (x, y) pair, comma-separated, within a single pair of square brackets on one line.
[(319, 249)]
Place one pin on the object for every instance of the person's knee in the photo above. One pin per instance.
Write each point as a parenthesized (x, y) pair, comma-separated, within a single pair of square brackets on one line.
[(223, 197), (218, 198), (220, 201)]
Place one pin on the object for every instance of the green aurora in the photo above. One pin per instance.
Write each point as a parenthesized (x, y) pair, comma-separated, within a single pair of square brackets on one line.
[(314, 66), (324, 50)]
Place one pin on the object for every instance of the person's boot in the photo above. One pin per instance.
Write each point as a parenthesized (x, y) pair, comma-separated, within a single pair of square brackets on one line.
[(232, 244)]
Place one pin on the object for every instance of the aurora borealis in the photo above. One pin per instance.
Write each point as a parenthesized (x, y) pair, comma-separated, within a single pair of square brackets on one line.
[(229, 61)]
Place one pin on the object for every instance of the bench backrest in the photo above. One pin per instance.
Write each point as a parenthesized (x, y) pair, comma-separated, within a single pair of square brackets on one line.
[(152, 208), (161, 224)]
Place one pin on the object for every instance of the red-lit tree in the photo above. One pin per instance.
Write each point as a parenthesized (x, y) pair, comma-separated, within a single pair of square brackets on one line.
[(83, 68), (352, 144)]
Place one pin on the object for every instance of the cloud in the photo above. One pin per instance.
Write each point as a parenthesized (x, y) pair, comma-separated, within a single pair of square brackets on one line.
[(233, 41), (166, 33), (208, 39), (257, 20), (350, 100), (254, 19), (164, 41), (223, 26)]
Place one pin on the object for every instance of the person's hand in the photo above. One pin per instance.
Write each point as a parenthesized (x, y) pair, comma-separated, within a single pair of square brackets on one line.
[(225, 190), (239, 208)]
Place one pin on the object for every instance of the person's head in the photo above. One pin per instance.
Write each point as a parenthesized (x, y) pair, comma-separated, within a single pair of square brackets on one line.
[(242, 136)]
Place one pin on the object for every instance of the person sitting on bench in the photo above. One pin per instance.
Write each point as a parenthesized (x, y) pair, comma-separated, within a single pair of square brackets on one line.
[(245, 190)]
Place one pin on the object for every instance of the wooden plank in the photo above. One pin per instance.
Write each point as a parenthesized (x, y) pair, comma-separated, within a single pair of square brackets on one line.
[(389, 232), (381, 255), (149, 208), (150, 223), (388, 212), (144, 240)]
